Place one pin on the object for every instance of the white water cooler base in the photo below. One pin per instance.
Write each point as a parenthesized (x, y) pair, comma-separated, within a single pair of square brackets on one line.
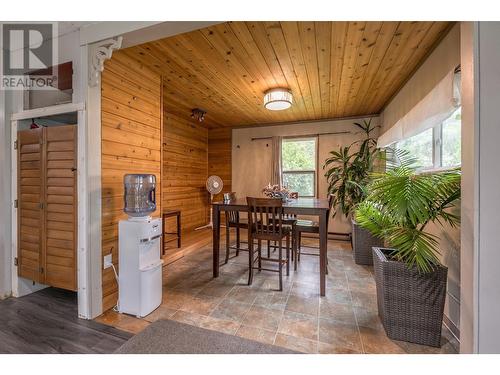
[(140, 267)]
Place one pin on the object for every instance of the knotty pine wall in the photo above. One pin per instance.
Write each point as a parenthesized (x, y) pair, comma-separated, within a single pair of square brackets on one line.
[(131, 143), (219, 157), (185, 158)]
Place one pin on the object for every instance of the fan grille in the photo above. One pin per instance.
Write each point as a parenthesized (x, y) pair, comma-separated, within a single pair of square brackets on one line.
[(214, 184)]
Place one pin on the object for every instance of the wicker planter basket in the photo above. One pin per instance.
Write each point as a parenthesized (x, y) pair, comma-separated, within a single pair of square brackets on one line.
[(362, 243), (410, 304)]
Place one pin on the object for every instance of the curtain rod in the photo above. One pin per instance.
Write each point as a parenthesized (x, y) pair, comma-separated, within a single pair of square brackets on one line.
[(305, 135)]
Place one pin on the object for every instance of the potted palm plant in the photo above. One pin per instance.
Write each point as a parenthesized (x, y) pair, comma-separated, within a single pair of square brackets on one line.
[(410, 280), (348, 172)]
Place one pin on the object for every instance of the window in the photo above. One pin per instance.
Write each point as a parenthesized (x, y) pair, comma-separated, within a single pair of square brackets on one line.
[(298, 165), (451, 140), (438, 147), (419, 146)]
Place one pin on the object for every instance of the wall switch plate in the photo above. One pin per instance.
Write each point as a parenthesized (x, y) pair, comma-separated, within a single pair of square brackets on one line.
[(108, 260)]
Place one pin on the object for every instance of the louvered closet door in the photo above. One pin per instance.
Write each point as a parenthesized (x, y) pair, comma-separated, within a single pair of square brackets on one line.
[(61, 204), (30, 209)]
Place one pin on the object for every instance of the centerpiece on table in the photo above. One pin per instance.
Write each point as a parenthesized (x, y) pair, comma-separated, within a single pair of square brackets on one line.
[(277, 192)]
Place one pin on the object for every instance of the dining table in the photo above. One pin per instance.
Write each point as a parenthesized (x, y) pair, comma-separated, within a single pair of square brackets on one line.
[(301, 206)]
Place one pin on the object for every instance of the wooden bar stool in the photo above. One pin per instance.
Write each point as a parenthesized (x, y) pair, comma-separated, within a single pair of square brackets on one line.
[(306, 226), (265, 222), (233, 220), (165, 215)]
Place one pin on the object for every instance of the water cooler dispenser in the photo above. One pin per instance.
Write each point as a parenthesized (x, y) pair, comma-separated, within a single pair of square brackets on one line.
[(140, 264)]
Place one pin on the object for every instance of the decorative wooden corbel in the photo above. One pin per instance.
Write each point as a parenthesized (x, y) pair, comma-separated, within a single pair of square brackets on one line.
[(100, 52)]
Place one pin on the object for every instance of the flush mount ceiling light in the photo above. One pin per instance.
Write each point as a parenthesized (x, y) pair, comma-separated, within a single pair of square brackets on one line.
[(278, 99)]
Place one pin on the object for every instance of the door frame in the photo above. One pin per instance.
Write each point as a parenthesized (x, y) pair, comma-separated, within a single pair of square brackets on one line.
[(22, 286)]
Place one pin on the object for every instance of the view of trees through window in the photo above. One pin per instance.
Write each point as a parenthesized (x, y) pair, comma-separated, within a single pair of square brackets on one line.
[(419, 146), (447, 135), (298, 163), (451, 140)]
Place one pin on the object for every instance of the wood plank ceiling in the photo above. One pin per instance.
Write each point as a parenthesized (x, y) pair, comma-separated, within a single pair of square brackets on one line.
[(334, 69)]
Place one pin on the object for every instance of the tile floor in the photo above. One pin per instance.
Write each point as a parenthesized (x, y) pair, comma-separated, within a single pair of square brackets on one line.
[(344, 321)]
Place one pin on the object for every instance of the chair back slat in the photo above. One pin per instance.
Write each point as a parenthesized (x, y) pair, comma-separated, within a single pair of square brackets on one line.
[(266, 216), (233, 216)]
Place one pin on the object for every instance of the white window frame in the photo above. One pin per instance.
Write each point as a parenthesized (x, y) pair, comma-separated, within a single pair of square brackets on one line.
[(437, 148), (314, 171)]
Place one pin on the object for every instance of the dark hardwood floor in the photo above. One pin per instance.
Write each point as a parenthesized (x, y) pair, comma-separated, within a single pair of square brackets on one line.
[(47, 322)]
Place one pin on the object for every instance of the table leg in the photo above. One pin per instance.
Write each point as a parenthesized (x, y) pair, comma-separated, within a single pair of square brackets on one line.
[(323, 242), (216, 239)]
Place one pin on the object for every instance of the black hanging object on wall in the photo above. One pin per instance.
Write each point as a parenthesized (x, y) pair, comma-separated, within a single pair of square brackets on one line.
[(198, 114)]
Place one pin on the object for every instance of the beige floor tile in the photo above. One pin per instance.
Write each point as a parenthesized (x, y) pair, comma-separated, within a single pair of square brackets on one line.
[(271, 300), (299, 325), (297, 344), (123, 321), (368, 317), (304, 290), (339, 334), (243, 294), (217, 288), (174, 299), (338, 296), (262, 317), (324, 348), (200, 304), (336, 311), (161, 312), (309, 306), (376, 342), (224, 326), (364, 299), (188, 318), (256, 334), (231, 310)]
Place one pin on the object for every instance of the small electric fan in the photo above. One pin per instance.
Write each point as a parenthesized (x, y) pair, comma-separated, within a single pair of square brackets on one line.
[(214, 186)]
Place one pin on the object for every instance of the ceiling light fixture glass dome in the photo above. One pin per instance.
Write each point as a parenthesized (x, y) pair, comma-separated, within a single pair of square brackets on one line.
[(278, 99)]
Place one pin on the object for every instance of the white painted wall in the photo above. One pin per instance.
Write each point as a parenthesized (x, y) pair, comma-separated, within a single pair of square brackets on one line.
[(251, 161), (487, 98), (470, 192)]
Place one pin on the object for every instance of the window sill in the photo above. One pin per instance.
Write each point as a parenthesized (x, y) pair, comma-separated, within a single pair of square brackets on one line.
[(437, 170)]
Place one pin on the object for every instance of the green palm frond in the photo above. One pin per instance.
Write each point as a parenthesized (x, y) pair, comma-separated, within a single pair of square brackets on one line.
[(401, 202)]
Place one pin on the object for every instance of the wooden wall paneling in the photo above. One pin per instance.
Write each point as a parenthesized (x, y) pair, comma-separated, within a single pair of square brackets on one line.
[(61, 207), (30, 197), (219, 157), (131, 143), (185, 144)]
